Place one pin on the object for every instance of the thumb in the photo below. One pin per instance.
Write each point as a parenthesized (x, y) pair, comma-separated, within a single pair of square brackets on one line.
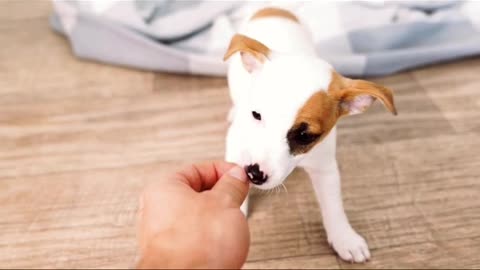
[(233, 184)]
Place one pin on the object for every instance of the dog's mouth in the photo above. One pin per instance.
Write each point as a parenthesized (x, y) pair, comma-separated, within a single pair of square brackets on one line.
[(266, 180), (257, 181)]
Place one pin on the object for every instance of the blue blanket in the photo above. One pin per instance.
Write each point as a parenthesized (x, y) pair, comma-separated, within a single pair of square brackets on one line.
[(357, 38)]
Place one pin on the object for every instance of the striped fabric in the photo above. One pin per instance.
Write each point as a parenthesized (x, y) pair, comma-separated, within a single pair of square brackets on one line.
[(358, 38)]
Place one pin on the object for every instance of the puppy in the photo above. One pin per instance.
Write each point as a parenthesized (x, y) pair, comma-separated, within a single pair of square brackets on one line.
[(286, 103)]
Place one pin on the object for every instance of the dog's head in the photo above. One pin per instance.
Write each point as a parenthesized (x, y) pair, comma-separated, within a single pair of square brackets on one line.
[(291, 105)]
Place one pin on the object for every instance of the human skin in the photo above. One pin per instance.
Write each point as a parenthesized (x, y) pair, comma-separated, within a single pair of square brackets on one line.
[(192, 219)]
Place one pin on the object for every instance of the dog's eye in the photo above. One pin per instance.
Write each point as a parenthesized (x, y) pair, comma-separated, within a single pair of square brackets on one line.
[(305, 138), (301, 136), (256, 115)]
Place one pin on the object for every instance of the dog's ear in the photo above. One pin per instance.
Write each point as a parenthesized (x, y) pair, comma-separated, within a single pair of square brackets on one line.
[(356, 96), (253, 52)]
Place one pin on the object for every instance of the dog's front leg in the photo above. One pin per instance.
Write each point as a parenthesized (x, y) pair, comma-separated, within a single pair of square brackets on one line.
[(349, 245)]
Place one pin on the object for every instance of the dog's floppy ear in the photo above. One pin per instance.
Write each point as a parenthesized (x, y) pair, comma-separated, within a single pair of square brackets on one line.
[(356, 96), (253, 52)]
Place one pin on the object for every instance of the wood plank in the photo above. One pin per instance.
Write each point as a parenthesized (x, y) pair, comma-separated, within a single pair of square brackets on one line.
[(417, 116), (34, 76), (383, 197), (454, 89), (279, 227), (456, 254), (397, 195), (44, 139), (302, 262), (80, 220), (22, 10)]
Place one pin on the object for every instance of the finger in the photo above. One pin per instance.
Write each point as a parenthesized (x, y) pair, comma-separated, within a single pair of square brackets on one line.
[(233, 184), (139, 223), (203, 176)]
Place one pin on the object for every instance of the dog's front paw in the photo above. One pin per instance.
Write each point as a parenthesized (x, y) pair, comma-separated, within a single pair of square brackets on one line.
[(349, 245)]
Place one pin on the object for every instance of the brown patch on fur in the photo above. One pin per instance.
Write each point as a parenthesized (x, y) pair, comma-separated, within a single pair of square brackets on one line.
[(320, 113), (338, 82), (322, 110), (275, 12), (244, 44)]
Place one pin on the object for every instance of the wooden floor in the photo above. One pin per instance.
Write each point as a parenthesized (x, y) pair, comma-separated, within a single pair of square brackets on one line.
[(78, 138)]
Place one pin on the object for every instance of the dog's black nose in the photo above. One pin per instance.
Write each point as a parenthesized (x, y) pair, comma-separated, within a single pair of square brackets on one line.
[(255, 175)]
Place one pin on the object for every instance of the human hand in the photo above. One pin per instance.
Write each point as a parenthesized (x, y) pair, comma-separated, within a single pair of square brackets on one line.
[(192, 219)]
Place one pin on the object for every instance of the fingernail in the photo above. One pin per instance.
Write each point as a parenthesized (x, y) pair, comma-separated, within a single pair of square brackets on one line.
[(238, 173)]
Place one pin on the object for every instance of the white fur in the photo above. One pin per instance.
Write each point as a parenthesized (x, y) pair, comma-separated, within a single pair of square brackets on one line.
[(277, 90)]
